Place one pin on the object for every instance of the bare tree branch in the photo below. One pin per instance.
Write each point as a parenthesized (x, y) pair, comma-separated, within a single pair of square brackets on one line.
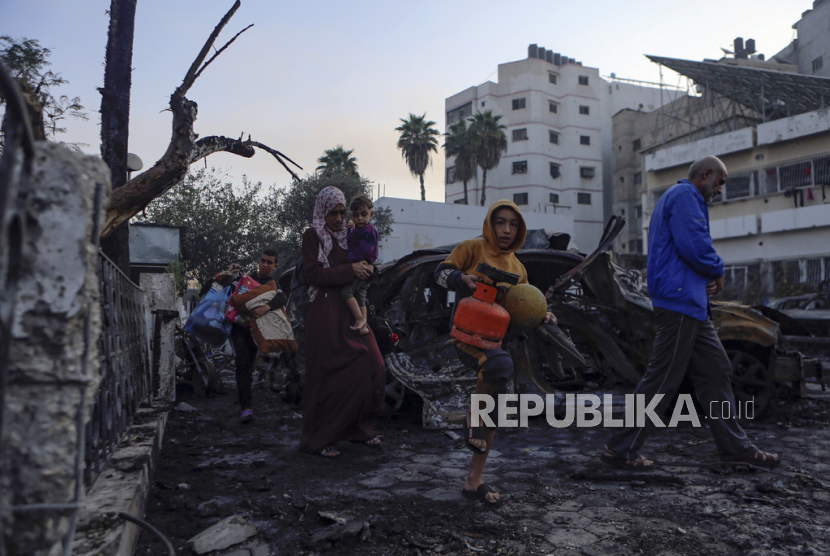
[(190, 77), (218, 52), (278, 155), (184, 148)]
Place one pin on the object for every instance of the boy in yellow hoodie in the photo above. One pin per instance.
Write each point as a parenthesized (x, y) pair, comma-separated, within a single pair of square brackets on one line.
[(504, 232)]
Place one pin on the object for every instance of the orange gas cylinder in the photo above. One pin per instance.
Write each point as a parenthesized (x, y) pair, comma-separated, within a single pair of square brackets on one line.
[(479, 320)]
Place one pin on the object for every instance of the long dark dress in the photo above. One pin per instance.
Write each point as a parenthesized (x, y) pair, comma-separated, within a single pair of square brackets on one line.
[(344, 371)]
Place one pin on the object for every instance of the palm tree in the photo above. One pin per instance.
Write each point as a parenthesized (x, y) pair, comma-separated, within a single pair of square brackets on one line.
[(489, 142), (416, 142), (459, 143), (338, 160)]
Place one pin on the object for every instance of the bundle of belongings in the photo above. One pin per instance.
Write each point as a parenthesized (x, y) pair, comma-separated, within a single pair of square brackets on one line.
[(272, 332)]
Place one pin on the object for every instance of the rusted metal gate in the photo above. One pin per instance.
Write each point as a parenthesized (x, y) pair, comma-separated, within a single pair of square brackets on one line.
[(125, 370)]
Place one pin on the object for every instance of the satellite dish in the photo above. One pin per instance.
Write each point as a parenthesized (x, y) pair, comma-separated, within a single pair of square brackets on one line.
[(134, 163)]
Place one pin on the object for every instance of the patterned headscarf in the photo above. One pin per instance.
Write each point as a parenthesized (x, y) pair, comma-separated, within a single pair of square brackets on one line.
[(327, 199)]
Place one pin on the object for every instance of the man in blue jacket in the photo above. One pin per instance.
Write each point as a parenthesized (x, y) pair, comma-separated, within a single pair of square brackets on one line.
[(683, 271)]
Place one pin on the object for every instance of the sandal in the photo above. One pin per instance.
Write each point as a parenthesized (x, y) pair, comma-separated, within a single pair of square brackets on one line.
[(481, 493), (639, 464), (329, 452), (374, 442), (767, 460), (475, 433)]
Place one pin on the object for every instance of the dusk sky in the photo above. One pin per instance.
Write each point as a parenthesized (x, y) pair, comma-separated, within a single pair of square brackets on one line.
[(313, 75)]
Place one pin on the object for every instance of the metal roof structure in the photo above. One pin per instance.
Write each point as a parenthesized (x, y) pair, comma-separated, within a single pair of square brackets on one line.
[(772, 94)]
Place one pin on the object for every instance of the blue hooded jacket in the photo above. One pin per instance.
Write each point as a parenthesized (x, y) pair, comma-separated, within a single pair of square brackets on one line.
[(681, 259)]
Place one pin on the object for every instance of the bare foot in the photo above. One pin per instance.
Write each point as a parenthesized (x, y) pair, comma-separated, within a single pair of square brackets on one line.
[(359, 324), (481, 444)]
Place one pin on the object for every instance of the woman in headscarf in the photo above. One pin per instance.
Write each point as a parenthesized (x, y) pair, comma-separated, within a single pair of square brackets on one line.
[(345, 375)]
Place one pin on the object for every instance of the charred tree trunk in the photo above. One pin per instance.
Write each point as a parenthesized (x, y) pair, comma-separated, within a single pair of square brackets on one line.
[(115, 116)]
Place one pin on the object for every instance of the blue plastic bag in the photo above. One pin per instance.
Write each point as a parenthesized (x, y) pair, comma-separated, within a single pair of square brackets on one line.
[(207, 321)]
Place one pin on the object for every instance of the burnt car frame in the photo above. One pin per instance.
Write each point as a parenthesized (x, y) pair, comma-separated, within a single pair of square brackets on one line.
[(603, 309)]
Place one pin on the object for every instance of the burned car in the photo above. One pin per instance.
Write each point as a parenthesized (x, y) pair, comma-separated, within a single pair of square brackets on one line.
[(603, 310)]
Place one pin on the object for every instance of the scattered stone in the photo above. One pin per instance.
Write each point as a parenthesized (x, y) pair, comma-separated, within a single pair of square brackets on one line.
[(338, 531), (227, 532), (336, 517), (187, 408), (681, 530), (183, 486)]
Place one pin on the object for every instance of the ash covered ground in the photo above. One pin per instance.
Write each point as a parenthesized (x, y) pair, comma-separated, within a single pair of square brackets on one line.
[(558, 498)]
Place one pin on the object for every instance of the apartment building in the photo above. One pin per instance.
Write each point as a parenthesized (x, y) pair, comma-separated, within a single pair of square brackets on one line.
[(558, 118)]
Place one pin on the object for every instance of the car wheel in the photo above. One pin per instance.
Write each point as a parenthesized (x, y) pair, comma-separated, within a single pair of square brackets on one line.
[(751, 380)]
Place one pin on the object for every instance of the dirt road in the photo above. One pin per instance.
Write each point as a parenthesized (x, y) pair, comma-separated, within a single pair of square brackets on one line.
[(558, 498)]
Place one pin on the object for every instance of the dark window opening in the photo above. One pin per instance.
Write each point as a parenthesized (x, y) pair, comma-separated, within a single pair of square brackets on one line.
[(451, 174), (553, 137), (636, 144), (459, 113), (584, 110), (554, 170), (520, 134), (584, 140), (519, 103), (520, 167), (638, 178), (553, 107), (554, 198), (583, 79), (552, 78), (520, 198), (583, 198), (586, 172)]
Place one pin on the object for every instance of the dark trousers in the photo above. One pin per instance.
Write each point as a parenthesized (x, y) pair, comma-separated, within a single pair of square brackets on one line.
[(684, 344), (245, 350)]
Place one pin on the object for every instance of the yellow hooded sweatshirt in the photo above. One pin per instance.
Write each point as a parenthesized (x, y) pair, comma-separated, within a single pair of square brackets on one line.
[(467, 254)]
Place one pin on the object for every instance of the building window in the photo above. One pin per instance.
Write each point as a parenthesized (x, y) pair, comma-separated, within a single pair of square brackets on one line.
[(520, 198), (552, 78), (554, 170), (583, 198), (451, 174), (553, 137), (520, 167), (519, 103), (461, 201), (584, 140), (520, 134), (553, 107), (638, 178), (583, 79), (459, 113), (586, 172), (817, 63), (554, 198), (636, 145), (584, 110), (638, 210)]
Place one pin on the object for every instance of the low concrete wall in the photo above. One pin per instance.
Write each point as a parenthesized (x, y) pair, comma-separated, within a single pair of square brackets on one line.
[(53, 360)]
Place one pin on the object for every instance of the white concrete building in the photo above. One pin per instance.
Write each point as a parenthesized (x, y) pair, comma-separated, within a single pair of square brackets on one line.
[(558, 118), (424, 225), (810, 50)]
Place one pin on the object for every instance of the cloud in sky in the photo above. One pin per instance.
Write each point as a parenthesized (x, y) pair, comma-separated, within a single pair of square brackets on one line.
[(309, 76)]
